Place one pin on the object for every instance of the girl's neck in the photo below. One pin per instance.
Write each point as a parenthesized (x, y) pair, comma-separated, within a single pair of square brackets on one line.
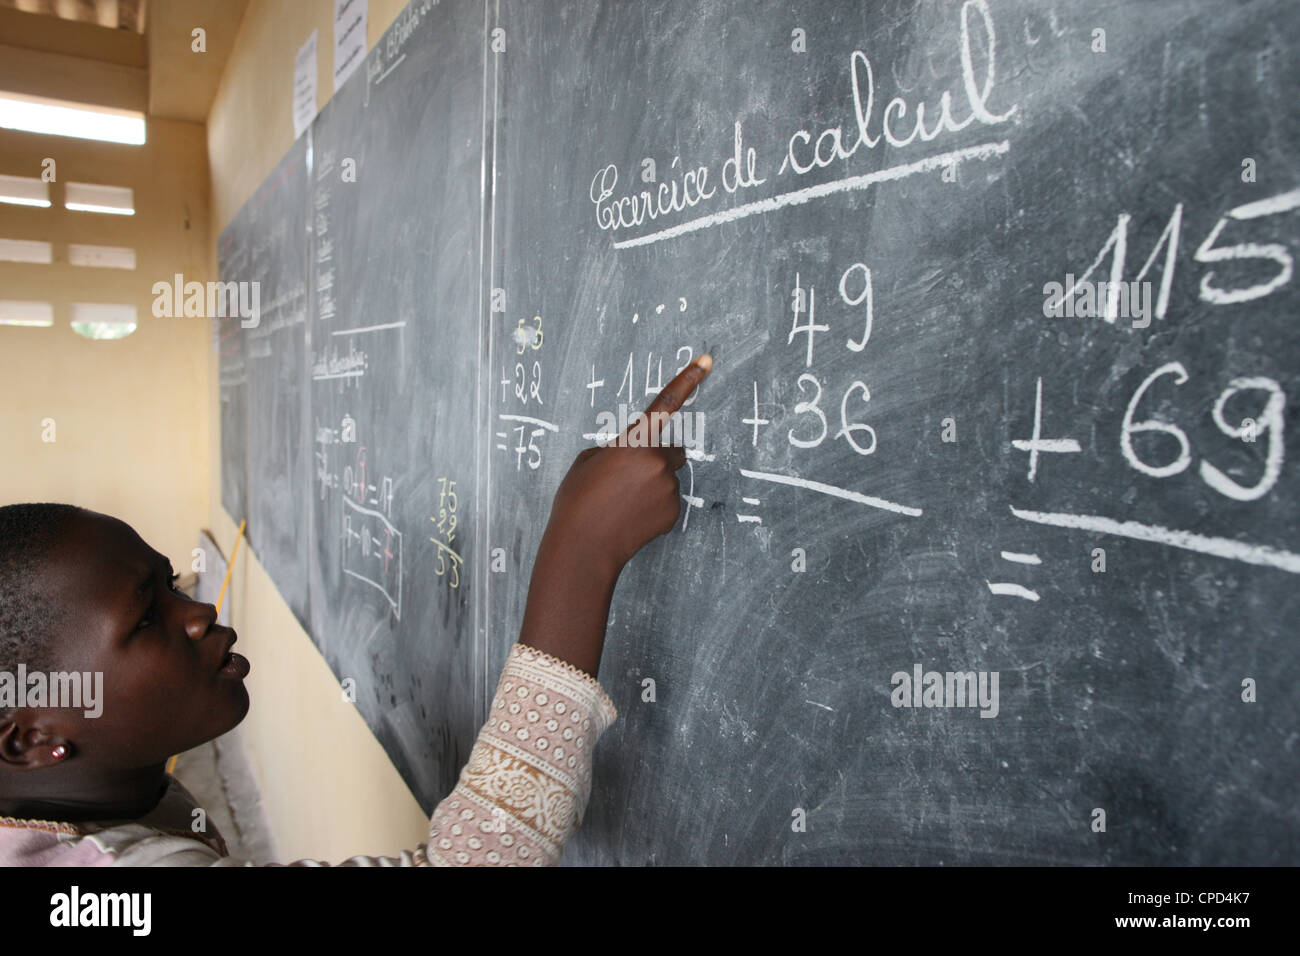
[(118, 796)]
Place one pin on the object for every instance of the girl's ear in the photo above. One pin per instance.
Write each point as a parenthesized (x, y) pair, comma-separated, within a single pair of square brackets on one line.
[(26, 746)]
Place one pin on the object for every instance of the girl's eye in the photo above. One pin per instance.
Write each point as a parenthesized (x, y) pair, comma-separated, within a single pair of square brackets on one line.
[(148, 619)]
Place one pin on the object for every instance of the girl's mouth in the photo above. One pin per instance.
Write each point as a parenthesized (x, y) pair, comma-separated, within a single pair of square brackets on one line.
[(234, 666)]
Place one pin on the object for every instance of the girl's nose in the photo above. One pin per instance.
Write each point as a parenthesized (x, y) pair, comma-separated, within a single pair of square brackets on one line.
[(199, 620)]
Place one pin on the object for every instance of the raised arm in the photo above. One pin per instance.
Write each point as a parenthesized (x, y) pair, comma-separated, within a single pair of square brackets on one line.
[(530, 770), (614, 500)]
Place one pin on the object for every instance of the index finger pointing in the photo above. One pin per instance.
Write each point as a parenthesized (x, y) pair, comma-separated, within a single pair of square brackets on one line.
[(672, 396)]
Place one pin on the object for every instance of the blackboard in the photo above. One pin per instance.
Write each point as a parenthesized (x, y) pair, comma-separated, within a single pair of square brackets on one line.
[(932, 443), (396, 199), (264, 374)]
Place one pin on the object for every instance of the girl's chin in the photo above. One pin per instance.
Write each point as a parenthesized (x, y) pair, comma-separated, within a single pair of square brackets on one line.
[(236, 710), (242, 710), (232, 706)]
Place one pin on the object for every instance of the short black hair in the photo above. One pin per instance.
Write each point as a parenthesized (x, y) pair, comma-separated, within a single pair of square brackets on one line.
[(29, 619)]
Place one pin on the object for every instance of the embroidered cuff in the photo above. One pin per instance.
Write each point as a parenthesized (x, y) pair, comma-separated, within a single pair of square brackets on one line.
[(526, 785)]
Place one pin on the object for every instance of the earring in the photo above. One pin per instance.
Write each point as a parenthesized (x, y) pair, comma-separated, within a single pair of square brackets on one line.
[(59, 752)]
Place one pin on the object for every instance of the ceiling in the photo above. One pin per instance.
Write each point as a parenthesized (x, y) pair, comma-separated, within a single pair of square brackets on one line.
[(116, 14), (107, 52)]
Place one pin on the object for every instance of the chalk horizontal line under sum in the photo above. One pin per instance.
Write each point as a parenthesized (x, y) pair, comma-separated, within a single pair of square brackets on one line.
[(1007, 589), (370, 328), (1020, 557), (809, 193), (329, 375), (1229, 548), (834, 491), (529, 420)]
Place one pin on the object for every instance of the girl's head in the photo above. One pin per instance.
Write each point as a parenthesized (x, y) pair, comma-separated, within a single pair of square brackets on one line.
[(81, 592)]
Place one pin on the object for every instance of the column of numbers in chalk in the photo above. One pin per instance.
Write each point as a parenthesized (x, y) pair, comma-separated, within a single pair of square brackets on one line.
[(1265, 424), (448, 560), (521, 392), (1269, 419), (813, 428)]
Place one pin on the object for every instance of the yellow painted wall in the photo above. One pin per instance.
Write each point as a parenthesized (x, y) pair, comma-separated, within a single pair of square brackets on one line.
[(328, 788), (131, 416)]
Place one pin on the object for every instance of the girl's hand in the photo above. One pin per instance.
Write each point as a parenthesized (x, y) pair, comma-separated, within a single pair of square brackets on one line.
[(617, 498), (612, 502)]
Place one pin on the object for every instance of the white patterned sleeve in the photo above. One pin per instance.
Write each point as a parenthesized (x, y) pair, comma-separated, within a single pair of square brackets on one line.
[(525, 787)]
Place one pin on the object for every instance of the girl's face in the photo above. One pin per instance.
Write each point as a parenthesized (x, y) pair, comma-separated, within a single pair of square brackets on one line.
[(169, 681)]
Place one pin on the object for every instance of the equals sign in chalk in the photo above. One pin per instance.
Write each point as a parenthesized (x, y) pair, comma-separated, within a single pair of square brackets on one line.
[(756, 519), (1009, 589), (499, 444)]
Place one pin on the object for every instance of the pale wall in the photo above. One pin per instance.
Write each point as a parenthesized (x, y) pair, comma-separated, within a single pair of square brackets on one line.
[(329, 789), (131, 417)]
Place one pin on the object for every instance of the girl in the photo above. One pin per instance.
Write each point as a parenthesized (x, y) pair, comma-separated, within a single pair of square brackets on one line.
[(81, 592)]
